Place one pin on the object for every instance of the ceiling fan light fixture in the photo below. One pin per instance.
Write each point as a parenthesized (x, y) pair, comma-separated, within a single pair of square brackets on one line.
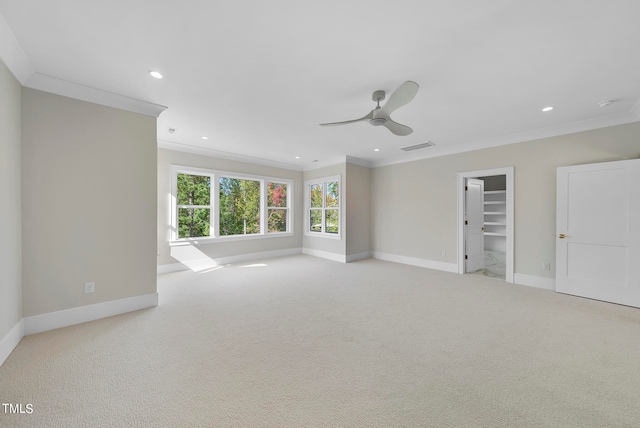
[(377, 121)]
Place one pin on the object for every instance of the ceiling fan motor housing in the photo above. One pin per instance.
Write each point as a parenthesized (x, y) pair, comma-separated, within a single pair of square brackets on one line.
[(378, 96)]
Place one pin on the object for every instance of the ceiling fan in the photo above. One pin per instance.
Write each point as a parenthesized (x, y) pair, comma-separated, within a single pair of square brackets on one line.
[(379, 116)]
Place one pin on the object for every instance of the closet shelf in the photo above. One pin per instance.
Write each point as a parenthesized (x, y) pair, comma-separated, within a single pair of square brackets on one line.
[(495, 216)]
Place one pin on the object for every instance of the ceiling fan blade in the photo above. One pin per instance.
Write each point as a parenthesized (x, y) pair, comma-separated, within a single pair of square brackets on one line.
[(397, 128), (402, 96), (367, 117)]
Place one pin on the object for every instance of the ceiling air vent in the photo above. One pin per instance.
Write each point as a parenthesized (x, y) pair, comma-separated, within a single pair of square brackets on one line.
[(418, 146)]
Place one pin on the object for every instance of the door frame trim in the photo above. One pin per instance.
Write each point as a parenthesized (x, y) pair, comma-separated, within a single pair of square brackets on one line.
[(508, 172)]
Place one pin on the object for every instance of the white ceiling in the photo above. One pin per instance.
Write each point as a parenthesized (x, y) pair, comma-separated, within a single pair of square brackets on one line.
[(257, 77)]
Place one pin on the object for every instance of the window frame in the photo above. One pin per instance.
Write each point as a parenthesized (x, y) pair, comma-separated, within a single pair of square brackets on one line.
[(214, 223), (286, 208), (307, 197), (175, 207)]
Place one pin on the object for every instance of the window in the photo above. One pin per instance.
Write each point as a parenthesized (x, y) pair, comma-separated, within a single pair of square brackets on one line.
[(323, 203), (194, 205), (239, 206), (217, 205), (277, 208)]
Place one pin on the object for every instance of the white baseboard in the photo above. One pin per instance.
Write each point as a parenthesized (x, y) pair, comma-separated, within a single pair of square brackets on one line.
[(171, 267), (11, 340), (240, 258), (413, 261), (53, 320), (358, 256), (325, 255), (535, 281)]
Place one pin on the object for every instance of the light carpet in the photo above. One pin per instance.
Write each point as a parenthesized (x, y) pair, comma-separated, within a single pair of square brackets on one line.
[(306, 342)]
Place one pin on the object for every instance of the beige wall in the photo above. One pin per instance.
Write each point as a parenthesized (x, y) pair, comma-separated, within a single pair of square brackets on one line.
[(217, 250), (10, 213), (88, 203), (358, 212), (414, 205), (328, 245)]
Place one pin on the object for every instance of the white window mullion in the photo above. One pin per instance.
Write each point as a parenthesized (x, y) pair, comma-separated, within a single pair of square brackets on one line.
[(263, 207), (324, 208), (215, 206)]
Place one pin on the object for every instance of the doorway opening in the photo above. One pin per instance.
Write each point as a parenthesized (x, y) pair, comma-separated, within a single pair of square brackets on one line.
[(485, 223)]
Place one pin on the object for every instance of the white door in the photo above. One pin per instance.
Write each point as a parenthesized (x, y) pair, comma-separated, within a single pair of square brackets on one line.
[(597, 233), (474, 225)]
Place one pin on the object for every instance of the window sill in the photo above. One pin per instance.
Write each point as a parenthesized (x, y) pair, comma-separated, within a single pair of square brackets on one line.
[(231, 238)]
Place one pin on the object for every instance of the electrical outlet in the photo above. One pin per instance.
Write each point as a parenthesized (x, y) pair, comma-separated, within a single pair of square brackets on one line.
[(546, 266), (89, 287)]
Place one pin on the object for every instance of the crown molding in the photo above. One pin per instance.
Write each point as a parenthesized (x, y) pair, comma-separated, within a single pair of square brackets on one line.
[(16, 60), (12, 54), (203, 151), (65, 88), (569, 128), (358, 161)]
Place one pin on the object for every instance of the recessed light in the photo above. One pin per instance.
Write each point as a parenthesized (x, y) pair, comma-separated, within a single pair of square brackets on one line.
[(297, 157), (155, 74), (376, 150), (205, 138), (549, 108)]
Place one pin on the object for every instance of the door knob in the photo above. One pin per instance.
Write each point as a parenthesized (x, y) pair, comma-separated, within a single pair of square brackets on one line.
[(562, 236)]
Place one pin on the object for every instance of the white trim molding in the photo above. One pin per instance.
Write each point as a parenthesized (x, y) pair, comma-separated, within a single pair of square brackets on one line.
[(53, 320), (218, 154), (65, 318), (65, 88), (325, 255), (11, 340), (535, 281), (358, 256), (536, 134), (211, 264), (12, 54), (170, 268), (358, 161), (414, 261)]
